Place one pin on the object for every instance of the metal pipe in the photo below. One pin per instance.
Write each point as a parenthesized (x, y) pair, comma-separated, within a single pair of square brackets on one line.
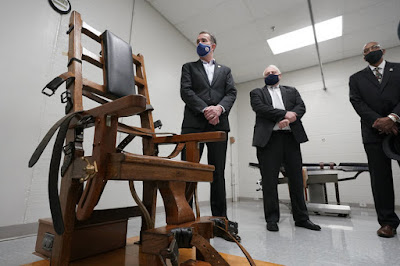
[(316, 44)]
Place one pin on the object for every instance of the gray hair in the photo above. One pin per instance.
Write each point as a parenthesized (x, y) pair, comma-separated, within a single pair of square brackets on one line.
[(273, 66)]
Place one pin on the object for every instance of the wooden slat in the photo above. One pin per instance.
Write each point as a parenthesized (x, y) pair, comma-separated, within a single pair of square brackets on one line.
[(200, 137), (91, 32), (139, 82), (94, 97), (92, 58), (94, 87), (137, 60), (151, 168), (109, 215)]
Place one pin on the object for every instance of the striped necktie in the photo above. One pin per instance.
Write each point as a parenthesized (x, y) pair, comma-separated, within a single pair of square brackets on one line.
[(378, 74)]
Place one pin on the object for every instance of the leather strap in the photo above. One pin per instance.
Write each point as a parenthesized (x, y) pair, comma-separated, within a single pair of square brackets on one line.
[(178, 148), (43, 144), (209, 253), (54, 199), (56, 82), (248, 257)]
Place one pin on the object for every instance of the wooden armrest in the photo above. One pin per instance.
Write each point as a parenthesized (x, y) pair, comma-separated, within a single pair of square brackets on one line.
[(196, 137), (125, 106)]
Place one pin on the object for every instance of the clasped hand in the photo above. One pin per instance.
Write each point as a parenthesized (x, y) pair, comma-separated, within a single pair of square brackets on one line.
[(385, 125), (212, 113), (290, 117)]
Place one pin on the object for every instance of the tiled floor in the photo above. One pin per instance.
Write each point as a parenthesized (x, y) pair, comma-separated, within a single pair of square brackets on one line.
[(342, 241)]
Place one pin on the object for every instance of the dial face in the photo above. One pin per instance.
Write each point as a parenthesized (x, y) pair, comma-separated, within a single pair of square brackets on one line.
[(61, 6)]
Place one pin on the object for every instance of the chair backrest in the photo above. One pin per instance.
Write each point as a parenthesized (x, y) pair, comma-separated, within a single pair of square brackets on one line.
[(118, 82)]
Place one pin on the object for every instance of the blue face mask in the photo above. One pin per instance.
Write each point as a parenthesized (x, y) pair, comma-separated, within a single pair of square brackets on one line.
[(203, 49), (271, 79)]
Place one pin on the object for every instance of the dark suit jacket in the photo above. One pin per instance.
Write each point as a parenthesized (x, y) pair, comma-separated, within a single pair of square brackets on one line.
[(372, 100), (197, 93), (267, 116)]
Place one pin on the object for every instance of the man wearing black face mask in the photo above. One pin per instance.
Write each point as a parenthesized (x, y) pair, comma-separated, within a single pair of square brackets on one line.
[(375, 95), (277, 136), (208, 90)]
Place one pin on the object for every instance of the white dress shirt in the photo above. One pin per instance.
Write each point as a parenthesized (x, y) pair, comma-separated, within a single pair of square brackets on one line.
[(277, 103), (209, 68)]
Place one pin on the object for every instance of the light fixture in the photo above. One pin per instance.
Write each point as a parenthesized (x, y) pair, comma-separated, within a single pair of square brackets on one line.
[(325, 30)]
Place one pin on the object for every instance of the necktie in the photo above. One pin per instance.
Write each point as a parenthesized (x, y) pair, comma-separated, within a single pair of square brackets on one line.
[(276, 100), (277, 103), (378, 74)]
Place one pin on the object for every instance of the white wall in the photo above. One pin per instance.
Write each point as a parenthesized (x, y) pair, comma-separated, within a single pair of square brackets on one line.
[(330, 121), (33, 51)]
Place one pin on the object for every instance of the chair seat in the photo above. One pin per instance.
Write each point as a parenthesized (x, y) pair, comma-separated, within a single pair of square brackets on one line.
[(123, 166)]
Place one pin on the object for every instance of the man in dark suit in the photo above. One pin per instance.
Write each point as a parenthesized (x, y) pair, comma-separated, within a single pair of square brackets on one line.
[(278, 133), (208, 90), (375, 95)]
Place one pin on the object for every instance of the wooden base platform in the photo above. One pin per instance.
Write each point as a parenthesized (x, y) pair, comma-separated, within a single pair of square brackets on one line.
[(131, 255)]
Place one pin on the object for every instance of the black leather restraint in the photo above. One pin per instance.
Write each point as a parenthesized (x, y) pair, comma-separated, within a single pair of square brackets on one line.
[(54, 199)]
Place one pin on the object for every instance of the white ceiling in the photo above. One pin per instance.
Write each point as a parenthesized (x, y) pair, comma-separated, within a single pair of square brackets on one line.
[(243, 26)]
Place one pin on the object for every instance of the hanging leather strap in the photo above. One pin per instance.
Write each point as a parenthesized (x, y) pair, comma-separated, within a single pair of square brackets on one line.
[(53, 85), (209, 253), (55, 206), (43, 144), (248, 257)]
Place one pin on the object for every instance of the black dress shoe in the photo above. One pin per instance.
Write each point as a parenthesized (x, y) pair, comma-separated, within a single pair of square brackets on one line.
[(273, 227), (308, 224), (386, 231)]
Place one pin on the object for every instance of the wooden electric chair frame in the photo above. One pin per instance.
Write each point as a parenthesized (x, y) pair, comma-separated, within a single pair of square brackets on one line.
[(85, 177)]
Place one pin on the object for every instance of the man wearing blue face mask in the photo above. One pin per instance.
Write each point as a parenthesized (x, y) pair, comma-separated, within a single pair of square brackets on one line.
[(208, 90), (375, 95), (277, 136)]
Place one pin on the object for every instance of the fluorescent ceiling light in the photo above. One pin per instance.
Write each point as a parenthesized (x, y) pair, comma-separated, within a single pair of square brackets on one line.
[(325, 30)]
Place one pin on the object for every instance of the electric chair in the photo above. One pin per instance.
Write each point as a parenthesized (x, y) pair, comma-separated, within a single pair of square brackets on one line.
[(74, 230)]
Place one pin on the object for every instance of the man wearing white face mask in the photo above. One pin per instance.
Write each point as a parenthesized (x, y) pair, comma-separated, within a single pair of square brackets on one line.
[(277, 136), (208, 90)]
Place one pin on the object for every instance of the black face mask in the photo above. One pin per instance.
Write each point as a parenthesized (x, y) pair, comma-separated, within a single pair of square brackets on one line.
[(373, 57)]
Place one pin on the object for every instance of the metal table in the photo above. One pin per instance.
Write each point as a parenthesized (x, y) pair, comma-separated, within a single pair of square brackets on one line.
[(318, 176)]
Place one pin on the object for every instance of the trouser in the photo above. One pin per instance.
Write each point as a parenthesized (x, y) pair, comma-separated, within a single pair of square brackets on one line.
[(216, 155), (282, 149), (380, 169)]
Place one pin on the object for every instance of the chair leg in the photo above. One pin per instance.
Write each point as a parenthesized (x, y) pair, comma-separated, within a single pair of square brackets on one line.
[(177, 208), (69, 194)]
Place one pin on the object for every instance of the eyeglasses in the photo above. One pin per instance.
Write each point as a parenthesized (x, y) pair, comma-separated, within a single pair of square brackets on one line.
[(372, 48)]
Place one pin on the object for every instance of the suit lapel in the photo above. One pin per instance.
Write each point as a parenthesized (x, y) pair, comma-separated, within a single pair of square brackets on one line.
[(386, 74), (283, 93), (267, 96), (200, 67), (217, 71), (371, 77)]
